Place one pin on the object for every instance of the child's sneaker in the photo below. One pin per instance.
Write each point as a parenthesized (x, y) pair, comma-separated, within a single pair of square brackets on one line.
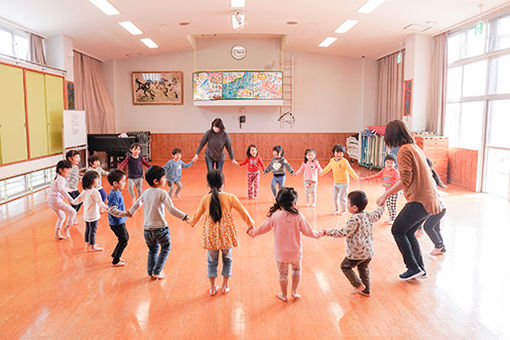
[(411, 274)]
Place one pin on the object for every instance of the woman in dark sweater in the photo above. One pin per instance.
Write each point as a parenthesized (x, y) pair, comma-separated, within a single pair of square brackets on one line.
[(216, 139)]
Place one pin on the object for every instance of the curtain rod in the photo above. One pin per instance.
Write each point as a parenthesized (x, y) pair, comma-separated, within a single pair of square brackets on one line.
[(88, 55), (19, 27)]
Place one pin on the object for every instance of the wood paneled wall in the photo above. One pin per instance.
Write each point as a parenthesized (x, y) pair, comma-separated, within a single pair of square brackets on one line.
[(463, 167), (294, 144)]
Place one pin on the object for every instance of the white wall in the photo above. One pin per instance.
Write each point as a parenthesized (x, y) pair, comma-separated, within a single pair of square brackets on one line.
[(328, 94), (59, 54)]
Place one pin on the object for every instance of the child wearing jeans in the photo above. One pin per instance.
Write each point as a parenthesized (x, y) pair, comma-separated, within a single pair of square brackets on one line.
[(95, 165), (156, 233), (73, 178), (341, 171), (390, 176), (135, 164), (92, 205), (59, 190), (254, 163), (288, 225), (277, 166), (219, 231), (310, 168), (117, 215), (173, 169), (359, 233)]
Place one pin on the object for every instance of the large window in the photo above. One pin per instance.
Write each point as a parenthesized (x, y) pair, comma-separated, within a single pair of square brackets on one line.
[(478, 97), (14, 43), (21, 185)]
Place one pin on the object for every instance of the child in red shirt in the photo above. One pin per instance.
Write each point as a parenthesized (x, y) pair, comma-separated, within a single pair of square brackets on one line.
[(390, 176), (254, 162)]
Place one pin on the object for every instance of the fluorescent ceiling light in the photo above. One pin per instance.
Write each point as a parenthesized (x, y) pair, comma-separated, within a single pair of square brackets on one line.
[(347, 25), (105, 6), (130, 27), (328, 41), (237, 3), (149, 43), (370, 5)]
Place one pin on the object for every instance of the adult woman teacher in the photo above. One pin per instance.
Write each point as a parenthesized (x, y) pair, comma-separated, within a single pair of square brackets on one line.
[(422, 200), (216, 139)]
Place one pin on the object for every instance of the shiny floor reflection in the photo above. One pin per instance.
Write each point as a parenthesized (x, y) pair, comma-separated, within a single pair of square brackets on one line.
[(56, 289)]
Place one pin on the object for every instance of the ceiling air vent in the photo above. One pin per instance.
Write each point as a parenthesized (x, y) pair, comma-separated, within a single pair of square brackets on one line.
[(417, 28)]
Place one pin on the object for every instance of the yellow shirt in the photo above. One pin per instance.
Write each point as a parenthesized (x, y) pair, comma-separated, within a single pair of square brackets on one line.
[(341, 170), (222, 234)]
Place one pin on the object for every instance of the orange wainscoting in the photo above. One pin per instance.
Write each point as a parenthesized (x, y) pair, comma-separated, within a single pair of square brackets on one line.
[(294, 144), (463, 167)]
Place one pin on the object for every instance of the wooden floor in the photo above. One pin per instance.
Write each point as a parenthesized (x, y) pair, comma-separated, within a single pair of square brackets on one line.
[(56, 289)]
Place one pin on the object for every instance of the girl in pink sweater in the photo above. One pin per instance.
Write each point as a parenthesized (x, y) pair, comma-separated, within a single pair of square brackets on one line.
[(310, 169), (288, 224)]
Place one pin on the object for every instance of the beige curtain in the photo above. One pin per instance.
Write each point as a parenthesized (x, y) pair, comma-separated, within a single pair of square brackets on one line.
[(437, 86), (391, 88), (91, 94), (37, 49)]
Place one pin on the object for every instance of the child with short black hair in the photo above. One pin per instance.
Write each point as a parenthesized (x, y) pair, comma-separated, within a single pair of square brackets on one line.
[(288, 225), (254, 163), (135, 164), (92, 207), (219, 231), (117, 215), (57, 192), (341, 171), (310, 168), (359, 233), (173, 169), (390, 176), (156, 233), (95, 165), (73, 156), (277, 166)]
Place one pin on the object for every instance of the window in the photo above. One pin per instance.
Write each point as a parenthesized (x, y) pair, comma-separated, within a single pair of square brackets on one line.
[(14, 43), (21, 185), (474, 79), (500, 32), (500, 66)]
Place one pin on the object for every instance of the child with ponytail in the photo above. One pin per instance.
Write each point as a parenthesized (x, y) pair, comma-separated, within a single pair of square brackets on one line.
[(288, 224), (219, 232)]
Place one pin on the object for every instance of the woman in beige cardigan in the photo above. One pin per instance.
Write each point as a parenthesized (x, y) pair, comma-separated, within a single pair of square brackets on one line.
[(418, 186)]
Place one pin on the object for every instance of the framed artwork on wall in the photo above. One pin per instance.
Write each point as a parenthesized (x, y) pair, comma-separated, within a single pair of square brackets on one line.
[(157, 88), (70, 96), (408, 97)]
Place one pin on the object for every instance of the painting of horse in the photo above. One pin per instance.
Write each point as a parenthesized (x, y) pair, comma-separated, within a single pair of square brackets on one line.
[(153, 87)]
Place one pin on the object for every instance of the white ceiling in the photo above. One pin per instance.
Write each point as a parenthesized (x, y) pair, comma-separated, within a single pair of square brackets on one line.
[(376, 34)]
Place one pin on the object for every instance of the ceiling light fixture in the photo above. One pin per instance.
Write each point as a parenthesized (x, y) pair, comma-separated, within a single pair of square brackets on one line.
[(237, 3), (105, 6), (238, 20), (149, 43), (130, 27), (370, 5), (347, 25), (328, 41)]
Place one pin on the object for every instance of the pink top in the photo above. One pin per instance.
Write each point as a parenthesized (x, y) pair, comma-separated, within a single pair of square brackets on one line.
[(310, 169), (390, 177), (288, 228)]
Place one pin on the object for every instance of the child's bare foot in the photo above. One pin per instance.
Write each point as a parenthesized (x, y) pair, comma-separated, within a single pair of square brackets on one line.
[(437, 251), (336, 212), (213, 291), (159, 276), (57, 236), (119, 264), (225, 290), (358, 289), (296, 295), (281, 297), (365, 294), (178, 197), (94, 247), (343, 213), (66, 231)]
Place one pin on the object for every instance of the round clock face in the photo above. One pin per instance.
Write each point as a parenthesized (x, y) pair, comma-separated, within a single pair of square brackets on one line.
[(238, 52)]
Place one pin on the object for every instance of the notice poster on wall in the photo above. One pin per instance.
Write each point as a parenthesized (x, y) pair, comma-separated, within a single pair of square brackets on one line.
[(408, 97)]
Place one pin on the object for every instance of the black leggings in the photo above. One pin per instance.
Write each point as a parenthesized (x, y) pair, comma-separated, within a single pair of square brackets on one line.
[(407, 222), (432, 227)]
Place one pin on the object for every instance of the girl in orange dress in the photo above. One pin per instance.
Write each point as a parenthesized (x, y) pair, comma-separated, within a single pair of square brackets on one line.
[(219, 232)]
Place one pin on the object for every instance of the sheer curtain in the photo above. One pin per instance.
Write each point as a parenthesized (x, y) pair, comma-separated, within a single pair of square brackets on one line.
[(91, 94), (391, 88), (437, 86), (37, 49)]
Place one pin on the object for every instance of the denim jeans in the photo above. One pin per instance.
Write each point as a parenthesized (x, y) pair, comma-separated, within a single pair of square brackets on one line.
[(407, 222), (90, 232), (154, 238), (280, 180), (432, 227), (123, 237), (212, 262), (211, 163)]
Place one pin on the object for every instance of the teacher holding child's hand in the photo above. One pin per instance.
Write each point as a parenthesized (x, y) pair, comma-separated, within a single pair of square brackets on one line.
[(216, 139), (422, 200)]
